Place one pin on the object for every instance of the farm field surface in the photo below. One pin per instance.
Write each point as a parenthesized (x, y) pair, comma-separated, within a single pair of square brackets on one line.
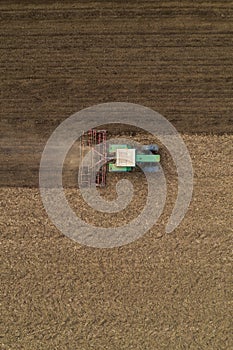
[(163, 291)]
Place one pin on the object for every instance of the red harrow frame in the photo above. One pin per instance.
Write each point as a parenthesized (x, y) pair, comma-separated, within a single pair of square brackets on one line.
[(93, 173)]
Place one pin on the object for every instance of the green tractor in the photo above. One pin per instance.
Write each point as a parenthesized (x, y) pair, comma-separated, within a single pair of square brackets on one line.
[(113, 158), (125, 158)]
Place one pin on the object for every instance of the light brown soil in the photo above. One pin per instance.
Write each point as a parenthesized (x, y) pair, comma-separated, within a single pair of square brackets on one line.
[(160, 292)]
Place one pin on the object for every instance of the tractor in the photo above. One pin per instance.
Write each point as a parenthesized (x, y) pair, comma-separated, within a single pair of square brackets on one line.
[(113, 158)]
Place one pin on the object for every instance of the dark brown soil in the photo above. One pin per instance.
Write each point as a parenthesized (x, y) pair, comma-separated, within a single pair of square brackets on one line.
[(162, 291), (57, 58)]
